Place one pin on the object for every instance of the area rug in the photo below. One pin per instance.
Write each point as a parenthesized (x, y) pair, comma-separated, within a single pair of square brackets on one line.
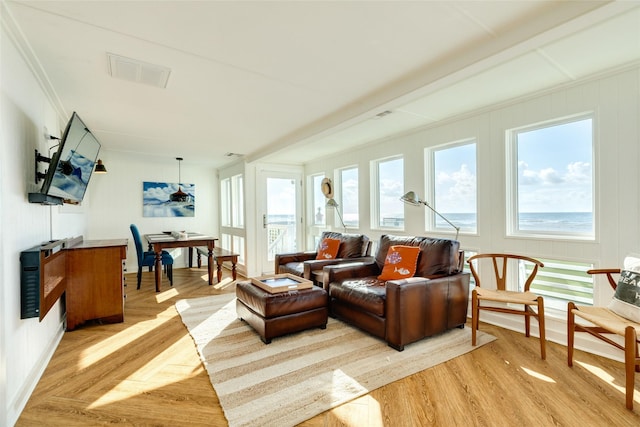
[(301, 375)]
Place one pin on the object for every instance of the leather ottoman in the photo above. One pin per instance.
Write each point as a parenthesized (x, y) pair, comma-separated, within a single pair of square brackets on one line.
[(277, 314)]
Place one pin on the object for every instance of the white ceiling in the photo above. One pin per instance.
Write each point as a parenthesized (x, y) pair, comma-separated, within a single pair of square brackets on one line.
[(292, 81)]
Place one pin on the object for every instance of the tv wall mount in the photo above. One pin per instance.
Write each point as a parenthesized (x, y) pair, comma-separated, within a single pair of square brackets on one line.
[(38, 159)]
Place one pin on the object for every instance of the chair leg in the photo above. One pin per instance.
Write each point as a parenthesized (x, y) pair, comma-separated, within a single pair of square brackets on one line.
[(139, 276), (543, 340), (170, 273), (571, 321), (475, 313), (630, 350)]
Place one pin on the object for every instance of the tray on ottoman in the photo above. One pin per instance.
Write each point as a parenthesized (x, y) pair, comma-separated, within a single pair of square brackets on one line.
[(275, 314), (281, 283)]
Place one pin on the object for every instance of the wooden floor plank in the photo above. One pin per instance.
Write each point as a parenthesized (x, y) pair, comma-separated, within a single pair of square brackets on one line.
[(146, 371)]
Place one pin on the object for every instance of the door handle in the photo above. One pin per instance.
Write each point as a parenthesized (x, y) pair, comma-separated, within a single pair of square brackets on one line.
[(264, 221)]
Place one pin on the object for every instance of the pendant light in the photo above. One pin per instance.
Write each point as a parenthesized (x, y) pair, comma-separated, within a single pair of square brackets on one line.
[(179, 196)]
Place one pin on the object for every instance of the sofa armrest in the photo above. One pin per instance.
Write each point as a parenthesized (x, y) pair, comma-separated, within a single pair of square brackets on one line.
[(350, 270), (418, 307), (281, 259), (318, 264)]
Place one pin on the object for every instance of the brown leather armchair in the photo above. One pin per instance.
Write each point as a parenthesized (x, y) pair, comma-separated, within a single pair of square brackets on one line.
[(402, 311), (353, 248)]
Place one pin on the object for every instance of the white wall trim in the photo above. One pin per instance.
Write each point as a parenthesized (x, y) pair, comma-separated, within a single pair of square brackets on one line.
[(27, 387)]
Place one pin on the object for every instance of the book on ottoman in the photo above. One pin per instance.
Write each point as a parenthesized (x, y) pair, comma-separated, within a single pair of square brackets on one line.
[(281, 283)]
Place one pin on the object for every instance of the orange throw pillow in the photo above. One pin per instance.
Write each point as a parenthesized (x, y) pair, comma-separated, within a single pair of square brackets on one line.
[(328, 248), (400, 263)]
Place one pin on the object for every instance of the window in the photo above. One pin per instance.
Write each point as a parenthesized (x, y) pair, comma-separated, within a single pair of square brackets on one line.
[(237, 207), (349, 196), (454, 186), (232, 206), (232, 215), (389, 187), (225, 206), (551, 189), (318, 201)]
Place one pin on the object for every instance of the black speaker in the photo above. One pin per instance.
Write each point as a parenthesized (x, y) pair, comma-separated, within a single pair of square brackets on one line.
[(30, 283)]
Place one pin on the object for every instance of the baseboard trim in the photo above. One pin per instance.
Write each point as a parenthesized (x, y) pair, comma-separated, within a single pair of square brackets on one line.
[(22, 397)]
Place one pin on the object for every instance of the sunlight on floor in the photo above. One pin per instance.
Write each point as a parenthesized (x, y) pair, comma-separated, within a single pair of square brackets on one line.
[(144, 380), (351, 413), (538, 375), (166, 295), (604, 376), (224, 283), (96, 353)]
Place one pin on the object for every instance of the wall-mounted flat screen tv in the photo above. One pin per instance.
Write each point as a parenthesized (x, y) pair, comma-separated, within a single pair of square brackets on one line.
[(72, 165)]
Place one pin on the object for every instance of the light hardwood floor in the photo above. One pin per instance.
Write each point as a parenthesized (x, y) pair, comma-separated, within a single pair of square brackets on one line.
[(146, 372)]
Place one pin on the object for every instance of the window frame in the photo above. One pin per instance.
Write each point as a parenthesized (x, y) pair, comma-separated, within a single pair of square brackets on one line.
[(431, 179), (512, 175), (339, 175), (314, 190), (375, 193)]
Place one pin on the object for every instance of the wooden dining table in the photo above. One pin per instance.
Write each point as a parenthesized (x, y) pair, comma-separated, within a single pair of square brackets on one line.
[(161, 241)]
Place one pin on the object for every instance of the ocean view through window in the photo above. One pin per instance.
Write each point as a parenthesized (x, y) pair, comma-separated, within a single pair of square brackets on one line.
[(551, 180), (453, 181)]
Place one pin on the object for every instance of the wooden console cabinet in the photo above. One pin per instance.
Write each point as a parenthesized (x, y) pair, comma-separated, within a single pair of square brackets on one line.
[(95, 281)]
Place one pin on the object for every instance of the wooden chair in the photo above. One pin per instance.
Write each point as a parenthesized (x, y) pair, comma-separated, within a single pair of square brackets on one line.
[(502, 295), (607, 322)]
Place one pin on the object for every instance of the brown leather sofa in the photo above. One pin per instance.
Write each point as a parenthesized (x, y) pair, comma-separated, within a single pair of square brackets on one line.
[(408, 310), (353, 248)]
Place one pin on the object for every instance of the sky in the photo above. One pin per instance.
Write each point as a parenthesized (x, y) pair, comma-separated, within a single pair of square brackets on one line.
[(555, 168)]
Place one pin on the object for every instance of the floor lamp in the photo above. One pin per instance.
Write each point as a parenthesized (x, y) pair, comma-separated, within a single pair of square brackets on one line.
[(331, 203), (411, 199)]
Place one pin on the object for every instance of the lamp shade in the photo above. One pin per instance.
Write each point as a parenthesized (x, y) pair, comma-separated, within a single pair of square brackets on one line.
[(331, 203), (100, 167), (411, 198)]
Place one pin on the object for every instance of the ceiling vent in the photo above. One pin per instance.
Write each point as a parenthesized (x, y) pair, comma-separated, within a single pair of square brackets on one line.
[(383, 114), (137, 71)]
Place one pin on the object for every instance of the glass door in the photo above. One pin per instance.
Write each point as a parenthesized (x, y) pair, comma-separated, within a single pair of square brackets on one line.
[(281, 217)]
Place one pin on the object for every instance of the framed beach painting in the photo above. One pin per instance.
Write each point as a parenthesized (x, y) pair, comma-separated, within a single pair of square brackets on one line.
[(163, 199)]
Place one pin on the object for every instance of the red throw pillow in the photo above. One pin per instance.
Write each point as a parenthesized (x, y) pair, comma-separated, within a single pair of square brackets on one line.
[(328, 248), (400, 263)]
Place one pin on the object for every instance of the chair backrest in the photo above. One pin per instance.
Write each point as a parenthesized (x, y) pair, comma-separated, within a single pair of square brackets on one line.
[(351, 245), (137, 242), (500, 268), (437, 256)]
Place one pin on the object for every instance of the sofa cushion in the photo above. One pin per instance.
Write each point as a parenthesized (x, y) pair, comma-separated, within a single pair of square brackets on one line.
[(351, 246), (437, 256), (367, 294), (328, 248), (400, 262)]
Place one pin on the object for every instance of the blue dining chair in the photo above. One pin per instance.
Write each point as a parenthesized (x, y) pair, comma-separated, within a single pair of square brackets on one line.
[(148, 258)]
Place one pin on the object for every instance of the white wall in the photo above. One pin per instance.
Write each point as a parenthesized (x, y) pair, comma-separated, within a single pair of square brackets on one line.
[(116, 199), (25, 345), (615, 101), (113, 201)]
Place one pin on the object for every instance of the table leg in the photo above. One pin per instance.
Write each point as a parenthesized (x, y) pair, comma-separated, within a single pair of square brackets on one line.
[(210, 265), (233, 268), (190, 256), (158, 269), (219, 268)]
